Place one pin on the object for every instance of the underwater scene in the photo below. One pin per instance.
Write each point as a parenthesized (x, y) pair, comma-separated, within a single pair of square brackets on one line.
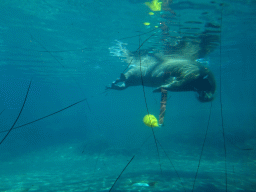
[(127, 95)]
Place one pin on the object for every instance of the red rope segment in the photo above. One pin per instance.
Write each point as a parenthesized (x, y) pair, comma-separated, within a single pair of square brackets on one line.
[(163, 106)]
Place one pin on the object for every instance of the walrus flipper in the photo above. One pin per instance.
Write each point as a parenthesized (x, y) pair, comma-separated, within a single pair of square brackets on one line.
[(173, 84), (158, 89), (116, 84), (168, 83)]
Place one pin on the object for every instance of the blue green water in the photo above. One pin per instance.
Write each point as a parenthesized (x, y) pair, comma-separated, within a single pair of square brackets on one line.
[(63, 46)]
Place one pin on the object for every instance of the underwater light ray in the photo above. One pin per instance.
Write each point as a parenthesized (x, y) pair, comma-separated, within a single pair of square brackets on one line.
[(63, 51), (96, 163), (221, 108), (172, 165), (46, 115), (201, 154), (18, 115), (62, 66)]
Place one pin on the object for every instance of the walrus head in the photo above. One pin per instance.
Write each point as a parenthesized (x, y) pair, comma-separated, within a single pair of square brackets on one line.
[(205, 85)]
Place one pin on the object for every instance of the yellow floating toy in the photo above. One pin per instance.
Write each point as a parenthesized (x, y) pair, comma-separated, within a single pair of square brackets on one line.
[(154, 5), (150, 120), (146, 23)]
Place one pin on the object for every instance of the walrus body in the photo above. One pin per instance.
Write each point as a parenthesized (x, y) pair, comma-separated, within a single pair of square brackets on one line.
[(171, 72)]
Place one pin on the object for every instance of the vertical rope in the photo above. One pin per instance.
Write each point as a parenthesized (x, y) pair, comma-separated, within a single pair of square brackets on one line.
[(163, 106)]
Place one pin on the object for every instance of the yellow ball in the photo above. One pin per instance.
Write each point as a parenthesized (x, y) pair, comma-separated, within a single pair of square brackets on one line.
[(150, 120)]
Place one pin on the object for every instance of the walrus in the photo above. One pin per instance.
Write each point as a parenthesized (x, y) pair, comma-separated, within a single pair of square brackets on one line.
[(176, 71)]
